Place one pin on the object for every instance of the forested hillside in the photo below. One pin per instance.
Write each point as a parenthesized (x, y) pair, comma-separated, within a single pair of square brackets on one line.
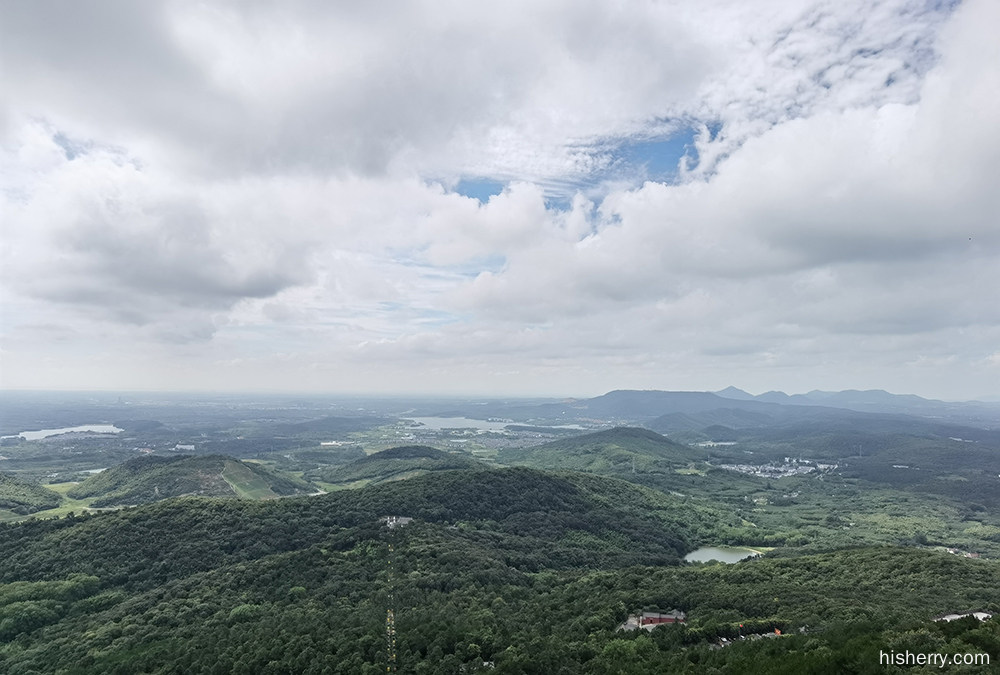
[(528, 571), (542, 520), (618, 450), (519, 569), (22, 497)]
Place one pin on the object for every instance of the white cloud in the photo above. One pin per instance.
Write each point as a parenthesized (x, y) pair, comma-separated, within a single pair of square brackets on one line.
[(258, 195)]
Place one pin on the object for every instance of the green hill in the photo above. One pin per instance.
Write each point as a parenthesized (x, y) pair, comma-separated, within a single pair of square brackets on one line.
[(22, 497), (536, 519), (644, 457), (614, 451), (149, 479), (395, 464)]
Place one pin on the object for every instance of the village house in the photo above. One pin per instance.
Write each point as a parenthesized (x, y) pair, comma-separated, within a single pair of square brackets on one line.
[(650, 620), (396, 521)]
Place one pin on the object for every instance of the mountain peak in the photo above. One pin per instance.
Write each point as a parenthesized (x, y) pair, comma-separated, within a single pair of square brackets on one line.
[(735, 393), (774, 397)]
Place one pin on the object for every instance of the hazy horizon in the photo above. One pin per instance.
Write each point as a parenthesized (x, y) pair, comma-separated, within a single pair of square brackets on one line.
[(417, 395)]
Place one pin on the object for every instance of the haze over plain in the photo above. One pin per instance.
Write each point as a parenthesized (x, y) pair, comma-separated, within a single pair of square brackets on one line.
[(543, 198)]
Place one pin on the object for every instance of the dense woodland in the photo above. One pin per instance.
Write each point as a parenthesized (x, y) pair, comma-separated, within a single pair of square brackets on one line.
[(23, 497), (520, 558), (528, 570)]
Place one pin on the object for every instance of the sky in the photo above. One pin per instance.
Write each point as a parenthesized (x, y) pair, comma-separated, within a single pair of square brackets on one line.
[(538, 197)]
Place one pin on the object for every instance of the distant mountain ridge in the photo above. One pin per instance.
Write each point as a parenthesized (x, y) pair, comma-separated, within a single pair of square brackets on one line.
[(874, 401), (631, 406)]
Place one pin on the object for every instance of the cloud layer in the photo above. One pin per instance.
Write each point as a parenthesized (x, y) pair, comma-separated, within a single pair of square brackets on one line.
[(252, 195)]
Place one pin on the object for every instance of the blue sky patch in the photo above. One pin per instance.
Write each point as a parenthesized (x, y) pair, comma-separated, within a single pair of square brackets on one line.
[(654, 159), (629, 160), (479, 188), (72, 148)]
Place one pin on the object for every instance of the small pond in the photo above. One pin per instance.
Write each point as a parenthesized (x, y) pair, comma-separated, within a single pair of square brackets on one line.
[(724, 554)]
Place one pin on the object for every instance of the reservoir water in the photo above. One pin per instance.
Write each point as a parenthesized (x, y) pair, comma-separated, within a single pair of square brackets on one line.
[(439, 423), (724, 554), (92, 428)]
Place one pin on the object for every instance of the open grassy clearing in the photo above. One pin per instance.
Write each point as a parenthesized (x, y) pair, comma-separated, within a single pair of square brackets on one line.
[(335, 487), (246, 483), (68, 505)]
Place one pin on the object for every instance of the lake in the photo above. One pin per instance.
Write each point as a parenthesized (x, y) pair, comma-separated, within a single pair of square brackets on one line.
[(92, 428), (723, 554), (439, 423)]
